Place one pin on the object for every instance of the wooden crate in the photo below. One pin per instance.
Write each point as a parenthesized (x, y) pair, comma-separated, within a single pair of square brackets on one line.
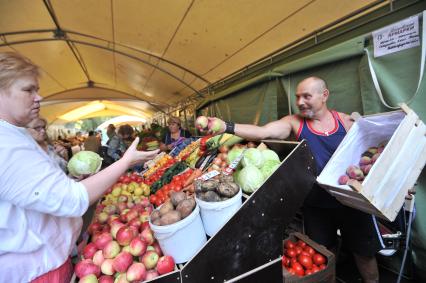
[(327, 275), (383, 191)]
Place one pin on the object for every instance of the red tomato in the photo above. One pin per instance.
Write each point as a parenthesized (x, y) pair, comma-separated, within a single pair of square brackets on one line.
[(285, 261), (289, 244), (315, 268), (301, 244), (291, 253), (318, 259), (293, 260), (152, 199), (309, 250), (298, 268), (305, 261), (158, 202), (322, 266), (126, 180), (298, 250), (291, 271), (309, 272), (306, 253)]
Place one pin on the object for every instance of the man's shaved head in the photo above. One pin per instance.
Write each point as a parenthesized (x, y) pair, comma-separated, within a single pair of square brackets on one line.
[(316, 84)]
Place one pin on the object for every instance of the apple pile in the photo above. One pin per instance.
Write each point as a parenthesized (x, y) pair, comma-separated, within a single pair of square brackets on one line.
[(122, 244), (300, 259), (368, 158)]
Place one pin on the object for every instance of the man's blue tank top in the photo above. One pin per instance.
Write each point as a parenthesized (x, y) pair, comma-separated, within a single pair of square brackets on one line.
[(322, 146)]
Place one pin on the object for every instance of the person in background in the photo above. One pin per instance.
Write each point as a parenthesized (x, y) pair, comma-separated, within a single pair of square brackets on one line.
[(41, 207), (323, 129), (92, 143), (116, 144), (174, 135), (37, 129), (110, 130), (126, 133)]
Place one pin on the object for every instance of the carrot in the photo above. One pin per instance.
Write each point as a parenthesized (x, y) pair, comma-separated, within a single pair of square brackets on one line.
[(195, 174)]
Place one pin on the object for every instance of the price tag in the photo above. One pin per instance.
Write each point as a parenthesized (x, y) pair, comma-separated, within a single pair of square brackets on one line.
[(208, 175), (234, 164)]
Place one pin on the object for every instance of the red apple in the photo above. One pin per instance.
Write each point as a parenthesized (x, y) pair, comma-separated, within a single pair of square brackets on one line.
[(126, 234), (165, 264), (147, 236), (136, 272), (102, 240), (151, 274), (106, 279), (149, 259), (89, 250), (86, 267), (107, 267), (145, 225), (98, 258), (145, 202), (94, 227), (113, 218), (121, 278), (157, 248), (115, 226), (137, 247), (110, 209), (121, 206), (122, 262), (111, 250), (135, 222)]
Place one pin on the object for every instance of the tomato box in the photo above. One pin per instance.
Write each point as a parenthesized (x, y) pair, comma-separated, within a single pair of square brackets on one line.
[(326, 275), (382, 191)]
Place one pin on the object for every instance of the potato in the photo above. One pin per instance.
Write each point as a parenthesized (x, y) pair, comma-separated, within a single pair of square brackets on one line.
[(210, 196), (177, 197), (155, 215), (228, 189), (209, 185), (166, 207), (226, 178), (170, 217), (185, 207)]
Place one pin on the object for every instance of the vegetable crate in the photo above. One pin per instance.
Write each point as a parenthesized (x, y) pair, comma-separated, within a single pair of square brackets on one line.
[(324, 276), (396, 170)]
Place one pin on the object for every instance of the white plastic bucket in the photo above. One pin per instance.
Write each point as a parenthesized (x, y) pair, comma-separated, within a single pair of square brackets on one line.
[(182, 239), (216, 214)]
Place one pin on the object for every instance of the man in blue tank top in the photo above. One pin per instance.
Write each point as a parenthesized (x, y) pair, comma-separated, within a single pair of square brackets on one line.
[(323, 129)]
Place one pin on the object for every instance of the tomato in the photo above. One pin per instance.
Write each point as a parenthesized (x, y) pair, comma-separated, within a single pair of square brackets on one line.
[(291, 271), (301, 244), (309, 250), (305, 261), (285, 261), (158, 202), (298, 268), (291, 253), (126, 180), (152, 199), (322, 266), (289, 244), (298, 250), (309, 272), (318, 259), (306, 253), (315, 268)]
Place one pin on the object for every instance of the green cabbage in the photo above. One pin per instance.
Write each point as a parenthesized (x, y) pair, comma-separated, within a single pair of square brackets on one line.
[(268, 154), (84, 163), (269, 167), (233, 154), (253, 156), (250, 178)]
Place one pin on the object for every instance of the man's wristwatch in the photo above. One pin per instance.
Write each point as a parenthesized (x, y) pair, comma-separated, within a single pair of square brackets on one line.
[(230, 127)]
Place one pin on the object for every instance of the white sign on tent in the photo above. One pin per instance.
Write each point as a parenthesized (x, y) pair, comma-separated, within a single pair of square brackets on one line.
[(396, 37)]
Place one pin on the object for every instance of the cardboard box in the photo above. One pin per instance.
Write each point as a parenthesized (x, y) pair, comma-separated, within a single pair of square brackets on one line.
[(383, 191), (327, 275)]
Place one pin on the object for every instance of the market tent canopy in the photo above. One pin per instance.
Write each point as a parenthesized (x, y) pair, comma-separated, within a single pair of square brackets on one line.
[(131, 120), (155, 52)]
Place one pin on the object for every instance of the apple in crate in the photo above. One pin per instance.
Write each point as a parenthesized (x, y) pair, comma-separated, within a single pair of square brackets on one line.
[(91, 278), (137, 247), (89, 250), (122, 262), (149, 259), (102, 240), (86, 267), (165, 264), (136, 272), (126, 234), (151, 274), (107, 267), (106, 279), (147, 236)]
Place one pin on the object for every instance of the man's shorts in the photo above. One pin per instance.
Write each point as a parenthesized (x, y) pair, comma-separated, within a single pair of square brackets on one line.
[(359, 230)]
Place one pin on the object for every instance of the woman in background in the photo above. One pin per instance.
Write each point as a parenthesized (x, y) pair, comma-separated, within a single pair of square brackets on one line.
[(174, 135)]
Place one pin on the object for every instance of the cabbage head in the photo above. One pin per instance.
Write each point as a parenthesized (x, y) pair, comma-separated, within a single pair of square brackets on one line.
[(253, 156), (233, 154), (84, 163), (250, 178), (269, 155), (269, 167)]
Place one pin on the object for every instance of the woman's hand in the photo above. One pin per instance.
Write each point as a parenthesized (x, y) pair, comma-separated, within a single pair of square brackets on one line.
[(133, 156)]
